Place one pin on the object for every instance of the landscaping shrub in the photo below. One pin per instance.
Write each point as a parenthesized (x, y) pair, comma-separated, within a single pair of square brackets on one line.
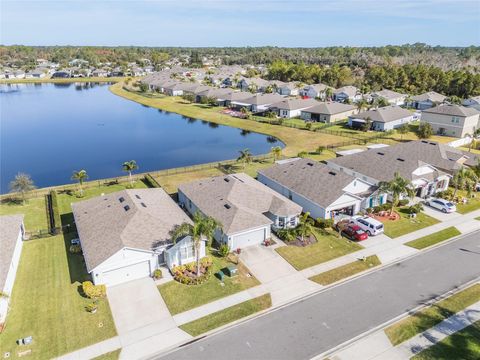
[(75, 249), (224, 250), (93, 291), (447, 194), (415, 209), (92, 307), (186, 274), (151, 182), (157, 274), (403, 202), (324, 223), (308, 126)]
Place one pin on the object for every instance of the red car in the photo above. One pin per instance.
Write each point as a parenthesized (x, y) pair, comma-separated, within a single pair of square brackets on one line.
[(354, 232)]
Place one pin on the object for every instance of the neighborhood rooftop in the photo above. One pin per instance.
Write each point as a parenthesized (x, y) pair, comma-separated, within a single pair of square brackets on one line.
[(9, 230), (384, 114), (330, 108), (453, 110), (139, 219)]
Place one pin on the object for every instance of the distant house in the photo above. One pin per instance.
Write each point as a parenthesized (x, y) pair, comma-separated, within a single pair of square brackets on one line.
[(35, 74), (60, 74), (350, 93), (213, 93), (287, 89), (19, 74), (245, 208), (393, 97), (124, 235), (259, 84), (233, 96), (382, 119), (100, 73), (11, 241), (290, 108), (327, 112), (258, 103), (473, 102), (452, 120), (427, 100), (314, 91), (173, 88), (136, 71), (319, 190)]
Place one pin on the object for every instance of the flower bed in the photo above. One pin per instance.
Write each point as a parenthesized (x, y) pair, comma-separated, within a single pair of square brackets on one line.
[(386, 216), (187, 274)]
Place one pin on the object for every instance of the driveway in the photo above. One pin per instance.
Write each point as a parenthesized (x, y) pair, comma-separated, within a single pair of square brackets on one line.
[(439, 215)]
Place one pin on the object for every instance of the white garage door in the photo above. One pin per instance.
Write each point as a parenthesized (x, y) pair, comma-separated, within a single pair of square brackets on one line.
[(126, 273), (250, 238)]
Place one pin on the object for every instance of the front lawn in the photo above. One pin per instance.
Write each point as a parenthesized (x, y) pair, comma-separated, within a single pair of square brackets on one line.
[(464, 344), (434, 238), (431, 316), (345, 271), (46, 303), (406, 225), (327, 247), (227, 315), (472, 204), (181, 297)]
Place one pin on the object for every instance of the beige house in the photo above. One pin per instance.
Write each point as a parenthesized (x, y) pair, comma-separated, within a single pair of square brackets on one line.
[(328, 112), (452, 120)]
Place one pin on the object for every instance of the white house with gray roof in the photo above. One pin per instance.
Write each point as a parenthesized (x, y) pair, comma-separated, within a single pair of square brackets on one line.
[(345, 93), (124, 234), (472, 102), (245, 208), (323, 192), (382, 119), (314, 91), (11, 242), (291, 108), (327, 112), (257, 103), (393, 97), (427, 100), (452, 120)]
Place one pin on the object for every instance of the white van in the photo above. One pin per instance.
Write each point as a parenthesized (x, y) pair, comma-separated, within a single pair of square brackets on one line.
[(369, 225)]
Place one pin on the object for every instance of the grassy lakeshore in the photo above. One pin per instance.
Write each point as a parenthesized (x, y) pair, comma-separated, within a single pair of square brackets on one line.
[(295, 140), (62, 80)]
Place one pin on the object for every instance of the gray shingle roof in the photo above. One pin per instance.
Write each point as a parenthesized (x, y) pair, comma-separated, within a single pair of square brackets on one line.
[(263, 99), (9, 230), (238, 201), (293, 104), (330, 108), (350, 90), (431, 95), (310, 179), (142, 220), (388, 94), (453, 110), (384, 114)]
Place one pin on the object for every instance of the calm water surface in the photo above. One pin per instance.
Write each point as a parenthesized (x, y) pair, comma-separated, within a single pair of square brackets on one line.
[(49, 130)]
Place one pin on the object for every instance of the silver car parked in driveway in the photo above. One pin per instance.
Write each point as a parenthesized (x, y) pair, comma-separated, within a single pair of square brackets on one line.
[(441, 204)]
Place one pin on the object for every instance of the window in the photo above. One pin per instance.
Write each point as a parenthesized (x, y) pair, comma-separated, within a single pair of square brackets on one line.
[(455, 119), (187, 252)]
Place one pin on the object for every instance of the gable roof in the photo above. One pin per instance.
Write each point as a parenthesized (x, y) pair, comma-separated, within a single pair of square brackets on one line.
[(293, 104), (9, 230), (310, 179), (137, 218), (453, 110), (350, 90), (263, 99), (431, 95), (329, 108), (384, 114), (388, 94), (238, 201)]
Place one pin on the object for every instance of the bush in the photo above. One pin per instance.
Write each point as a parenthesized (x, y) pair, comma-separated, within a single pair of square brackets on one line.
[(91, 307), (93, 291), (224, 250), (157, 274), (415, 209), (403, 202), (383, 207), (447, 194), (324, 223), (308, 126), (75, 249), (186, 274), (151, 182)]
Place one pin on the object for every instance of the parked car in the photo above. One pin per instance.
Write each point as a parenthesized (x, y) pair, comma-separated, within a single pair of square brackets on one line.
[(441, 204), (371, 226), (75, 241), (354, 232)]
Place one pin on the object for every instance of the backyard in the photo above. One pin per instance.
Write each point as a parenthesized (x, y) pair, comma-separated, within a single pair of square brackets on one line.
[(406, 224), (328, 246)]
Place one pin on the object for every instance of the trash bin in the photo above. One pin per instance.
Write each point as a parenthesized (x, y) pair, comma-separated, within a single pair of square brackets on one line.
[(231, 271), (220, 275)]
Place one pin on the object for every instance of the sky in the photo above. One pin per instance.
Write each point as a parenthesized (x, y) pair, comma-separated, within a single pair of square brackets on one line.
[(199, 23)]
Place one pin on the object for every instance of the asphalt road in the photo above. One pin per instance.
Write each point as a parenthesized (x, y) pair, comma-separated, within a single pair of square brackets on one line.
[(321, 322)]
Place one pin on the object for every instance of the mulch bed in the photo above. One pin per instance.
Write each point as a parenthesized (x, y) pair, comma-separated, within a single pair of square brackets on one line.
[(306, 241), (385, 216)]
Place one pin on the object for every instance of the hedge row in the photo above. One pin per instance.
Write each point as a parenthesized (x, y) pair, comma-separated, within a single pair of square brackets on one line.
[(151, 182), (48, 210), (55, 220)]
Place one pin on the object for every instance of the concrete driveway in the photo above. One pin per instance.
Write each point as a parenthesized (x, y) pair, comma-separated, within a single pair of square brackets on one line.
[(439, 215)]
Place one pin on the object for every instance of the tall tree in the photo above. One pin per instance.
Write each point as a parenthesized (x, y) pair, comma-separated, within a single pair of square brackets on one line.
[(424, 130), (245, 157), (22, 183), (464, 179), (276, 152), (130, 166), (203, 229), (396, 188), (402, 130), (305, 226), (80, 176)]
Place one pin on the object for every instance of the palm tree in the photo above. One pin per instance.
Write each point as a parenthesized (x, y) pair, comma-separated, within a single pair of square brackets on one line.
[(203, 228), (361, 104), (130, 166), (80, 176), (246, 157), (22, 184), (328, 93), (464, 178), (305, 226), (397, 187), (276, 152)]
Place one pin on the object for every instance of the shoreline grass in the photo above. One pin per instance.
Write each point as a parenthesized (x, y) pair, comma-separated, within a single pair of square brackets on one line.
[(345, 271), (434, 238), (227, 315), (62, 80), (432, 315)]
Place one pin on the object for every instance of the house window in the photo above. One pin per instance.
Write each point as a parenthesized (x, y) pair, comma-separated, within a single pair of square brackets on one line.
[(187, 252), (455, 120)]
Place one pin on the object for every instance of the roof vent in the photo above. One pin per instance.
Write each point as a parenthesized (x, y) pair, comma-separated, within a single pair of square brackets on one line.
[(227, 206), (433, 144), (137, 196), (425, 142), (143, 204), (380, 153), (400, 159), (122, 199), (332, 173), (310, 164), (126, 207), (226, 179)]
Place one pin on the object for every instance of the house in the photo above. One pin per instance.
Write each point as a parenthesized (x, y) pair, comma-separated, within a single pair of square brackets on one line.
[(124, 234), (427, 100), (452, 120), (323, 192), (61, 74), (245, 208), (472, 102), (382, 119), (100, 73), (393, 97), (427, 165), (290, 108), (233, 96), (19, 74), (35, 74), (314, 91), (327, 112), (257, 103), (213, 93), (347, 93), (11, 241), (173, 88), (286, 89), (136, 71)]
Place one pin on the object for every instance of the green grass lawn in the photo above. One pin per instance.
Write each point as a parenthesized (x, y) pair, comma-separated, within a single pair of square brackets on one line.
[(429, 317), (181, 297), (34, 211), (406, 224), (434, 238), (227, 315), (46, 303), (472, 204), (464, 344), (327, 247), (112, 355), (345, 271)]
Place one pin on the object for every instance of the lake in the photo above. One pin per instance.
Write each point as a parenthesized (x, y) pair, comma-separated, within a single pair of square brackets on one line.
[(50, 130)]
